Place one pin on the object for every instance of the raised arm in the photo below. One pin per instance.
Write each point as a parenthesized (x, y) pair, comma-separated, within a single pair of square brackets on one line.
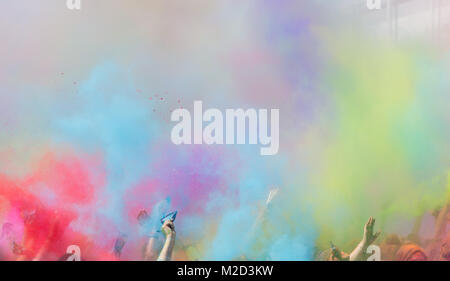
[(168, 229), (441, 220), (149, 254), (368, 238), (263, 212)]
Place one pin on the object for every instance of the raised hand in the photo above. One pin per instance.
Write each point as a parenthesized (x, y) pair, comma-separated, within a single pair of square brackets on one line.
[(272, 195), (369, 237), (168, 228)]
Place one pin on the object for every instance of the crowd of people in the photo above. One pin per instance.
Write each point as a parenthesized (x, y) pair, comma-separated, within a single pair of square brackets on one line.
[(159, 244), (394, 247)]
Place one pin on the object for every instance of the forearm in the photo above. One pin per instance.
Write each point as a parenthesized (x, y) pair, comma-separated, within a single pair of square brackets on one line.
[(358, 253), (257, 223), (417, 225), (441, 221), (166, 252), (149, 252)]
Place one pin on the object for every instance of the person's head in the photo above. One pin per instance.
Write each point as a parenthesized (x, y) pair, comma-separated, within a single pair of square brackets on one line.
[(411, 252), (413, 238), (390, 246), (393, 239)]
